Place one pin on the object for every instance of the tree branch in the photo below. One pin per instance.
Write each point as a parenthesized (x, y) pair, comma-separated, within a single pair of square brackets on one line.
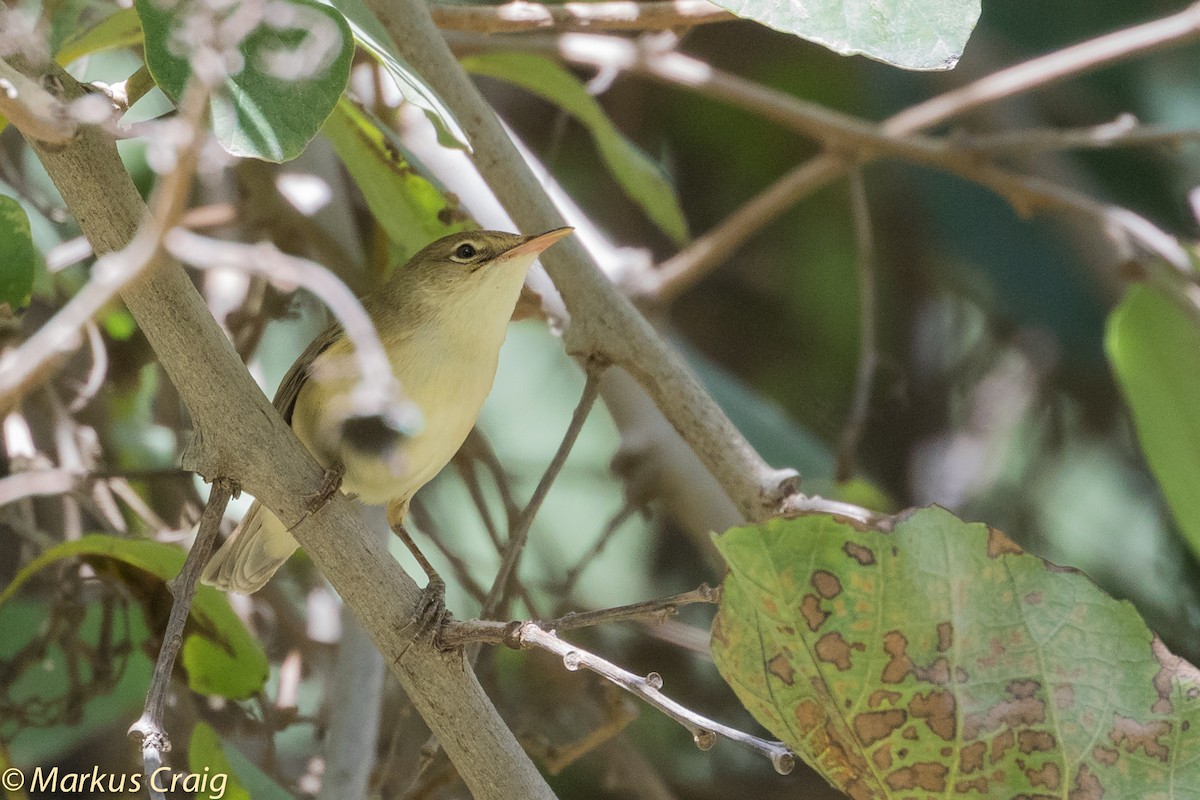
[(704, 730), (37, 114), (607, 15), (238, 433), (149, 727), (710, 249)]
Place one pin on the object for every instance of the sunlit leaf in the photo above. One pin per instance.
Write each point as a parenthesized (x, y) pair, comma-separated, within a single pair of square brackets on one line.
[(938, 659), (17, 259), (375, 40), (914, 34), (1154, 348), (410, 209), (295, 65), (640, 177), (219, 654)]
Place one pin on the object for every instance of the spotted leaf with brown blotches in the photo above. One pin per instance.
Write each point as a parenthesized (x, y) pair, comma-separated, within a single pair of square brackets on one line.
[(938, 659)]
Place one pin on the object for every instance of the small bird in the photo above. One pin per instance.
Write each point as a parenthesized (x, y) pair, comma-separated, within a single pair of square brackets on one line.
[(441, 318)]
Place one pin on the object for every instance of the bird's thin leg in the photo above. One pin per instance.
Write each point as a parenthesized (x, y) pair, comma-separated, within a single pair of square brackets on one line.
[(431, 613)]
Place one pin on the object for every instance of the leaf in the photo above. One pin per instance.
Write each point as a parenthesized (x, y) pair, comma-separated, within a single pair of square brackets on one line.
[(219, 654), (230, 774), (296, 63), (637, 175), (119, 29), (373, 38), (17, 259), (410, 209), (913, 34), (1154, 348), (940, 660)]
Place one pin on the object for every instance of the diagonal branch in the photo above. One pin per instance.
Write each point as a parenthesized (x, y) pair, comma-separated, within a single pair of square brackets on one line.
[(606, 15)]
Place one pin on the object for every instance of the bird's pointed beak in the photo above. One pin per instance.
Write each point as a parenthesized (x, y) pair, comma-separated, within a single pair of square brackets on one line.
[(539, 242)]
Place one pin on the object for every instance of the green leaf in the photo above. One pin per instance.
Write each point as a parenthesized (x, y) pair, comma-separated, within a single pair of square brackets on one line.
[(939, 660), (1154, 348), (410, 209), (230, 774), (120, 29), (638, 176), (219, 654), (292, 74), (373, 38), (17, 259), (913, 34)]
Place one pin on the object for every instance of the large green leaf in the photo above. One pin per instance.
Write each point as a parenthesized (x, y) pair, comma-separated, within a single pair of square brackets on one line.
[(939, 660), (640, 177), (914, 34), (219, 654), (293, 73), (410, 209), (17, 260), (1154, 348), (375, 40)]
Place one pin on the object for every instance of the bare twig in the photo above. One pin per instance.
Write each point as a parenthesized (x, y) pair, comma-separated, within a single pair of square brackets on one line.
[(497, 596), (1124, 131), (704, 731), (648, 611), (713, 247), (868, 355), (1172, 31), (377, 392), (843, 132), (518, 16), (457, 633), (149, 727)]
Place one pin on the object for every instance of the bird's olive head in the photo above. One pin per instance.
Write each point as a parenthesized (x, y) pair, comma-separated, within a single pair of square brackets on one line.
[(475, 261)]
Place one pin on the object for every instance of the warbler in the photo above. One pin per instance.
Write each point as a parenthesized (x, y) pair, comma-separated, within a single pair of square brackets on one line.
[(441, 318)]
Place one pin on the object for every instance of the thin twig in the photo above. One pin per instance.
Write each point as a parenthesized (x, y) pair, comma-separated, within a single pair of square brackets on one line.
[(1172, 31), (868, 355), (1124, 131), (655, 611), (498, 596), (519, 16), (711, 248), (457, 633), (865, 140), (149, 727), (704, 730)]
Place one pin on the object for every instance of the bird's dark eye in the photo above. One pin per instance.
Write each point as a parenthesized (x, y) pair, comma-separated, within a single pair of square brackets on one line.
[(465, 251)]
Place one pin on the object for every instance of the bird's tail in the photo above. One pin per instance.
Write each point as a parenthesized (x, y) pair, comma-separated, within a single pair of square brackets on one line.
[(252, 553)]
